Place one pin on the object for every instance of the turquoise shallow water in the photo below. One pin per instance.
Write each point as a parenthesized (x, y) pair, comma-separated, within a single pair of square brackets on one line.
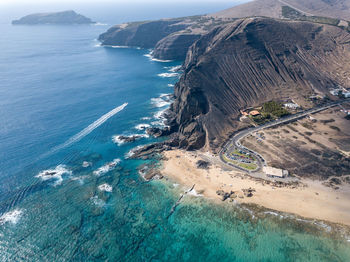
[(55, 82)]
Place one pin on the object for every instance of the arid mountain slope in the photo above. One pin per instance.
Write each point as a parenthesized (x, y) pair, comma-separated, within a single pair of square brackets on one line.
[(249, 62), (273, 8)]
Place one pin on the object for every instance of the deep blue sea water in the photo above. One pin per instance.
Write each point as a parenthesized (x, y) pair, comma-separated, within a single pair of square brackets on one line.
[(55, 81)]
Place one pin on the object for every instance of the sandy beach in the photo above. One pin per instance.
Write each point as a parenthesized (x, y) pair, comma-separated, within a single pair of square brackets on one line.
[(310, 200)]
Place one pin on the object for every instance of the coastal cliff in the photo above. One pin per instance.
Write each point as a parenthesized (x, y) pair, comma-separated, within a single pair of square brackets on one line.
[(140, 34), (247, 63), (170, 38)]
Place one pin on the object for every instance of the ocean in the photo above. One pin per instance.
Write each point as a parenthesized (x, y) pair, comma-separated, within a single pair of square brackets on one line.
[(68, 190)]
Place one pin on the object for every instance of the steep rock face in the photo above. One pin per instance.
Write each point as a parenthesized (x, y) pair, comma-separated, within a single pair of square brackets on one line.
[(174, 46), (247, 63), (65, 17), (145, 35)]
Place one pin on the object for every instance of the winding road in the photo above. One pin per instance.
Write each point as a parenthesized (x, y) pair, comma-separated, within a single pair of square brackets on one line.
[(235, 141)]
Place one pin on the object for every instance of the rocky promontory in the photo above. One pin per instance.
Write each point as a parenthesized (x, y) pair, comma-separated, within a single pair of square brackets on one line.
[(65, 17), (170, 38)]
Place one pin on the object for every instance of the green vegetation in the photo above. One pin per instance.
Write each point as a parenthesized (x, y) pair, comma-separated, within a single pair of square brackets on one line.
[(270, 111), (236, 152), (248, 166), (275, 109)]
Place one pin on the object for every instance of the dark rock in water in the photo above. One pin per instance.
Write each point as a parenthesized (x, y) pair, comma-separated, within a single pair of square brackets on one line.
[(150, 172), (203, 164), (158, 132), (50, 173), (129, 139), (65, 17), (247, 63), (153, 151)]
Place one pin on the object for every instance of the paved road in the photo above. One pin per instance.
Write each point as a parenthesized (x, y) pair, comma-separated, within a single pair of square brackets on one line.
[(235, 141)]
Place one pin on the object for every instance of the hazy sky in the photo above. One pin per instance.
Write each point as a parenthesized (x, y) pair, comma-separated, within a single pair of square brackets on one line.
[(107, 1), (114, 11)]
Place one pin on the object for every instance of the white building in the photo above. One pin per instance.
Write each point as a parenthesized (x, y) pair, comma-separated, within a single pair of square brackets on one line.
[(291, 105), (335, 92), (275, 172)]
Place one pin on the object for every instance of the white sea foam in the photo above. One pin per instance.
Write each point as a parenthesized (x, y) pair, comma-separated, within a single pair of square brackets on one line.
[(132, 151), (146, 118), (168, 75), (11, 216), (107, 167), (150, 56), (119, 46), (193, 192), (161, 101), (116, 139), (80, 179), (86, 164), (105, 187), (88, 129), (55, 174), (142, 126), (98, 202), (160, 60), (174, 68), (171, 85)]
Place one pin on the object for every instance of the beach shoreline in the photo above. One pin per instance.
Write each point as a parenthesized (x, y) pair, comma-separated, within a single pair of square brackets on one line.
[(309, 199)]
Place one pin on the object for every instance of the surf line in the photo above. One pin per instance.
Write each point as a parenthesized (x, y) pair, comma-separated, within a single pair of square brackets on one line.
[(87, 130)]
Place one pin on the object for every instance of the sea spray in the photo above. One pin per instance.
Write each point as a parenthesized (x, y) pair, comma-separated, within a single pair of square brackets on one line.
[(56, 174), (11, 217)]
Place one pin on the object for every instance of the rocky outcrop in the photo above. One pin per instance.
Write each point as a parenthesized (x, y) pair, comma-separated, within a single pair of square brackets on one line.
[(247, 63), (65, 17)]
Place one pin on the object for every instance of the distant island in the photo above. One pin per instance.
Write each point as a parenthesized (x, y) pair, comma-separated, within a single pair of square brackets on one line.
[(65, 17)]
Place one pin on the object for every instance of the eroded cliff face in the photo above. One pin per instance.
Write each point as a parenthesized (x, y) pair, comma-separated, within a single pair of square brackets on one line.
[(174, 46), (170, 38), (141, 34), (247, 63)]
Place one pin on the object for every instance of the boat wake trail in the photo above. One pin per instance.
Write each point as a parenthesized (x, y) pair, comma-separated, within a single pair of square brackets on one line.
[(87, 130)]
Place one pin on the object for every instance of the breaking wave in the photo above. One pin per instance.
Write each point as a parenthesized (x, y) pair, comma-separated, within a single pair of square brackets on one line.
[(174, 68), (149, 55), (168, 75), (116, 139), (105, 187), (142, 126), (56, 174), (161, 101), (11, 217), (107, 167)]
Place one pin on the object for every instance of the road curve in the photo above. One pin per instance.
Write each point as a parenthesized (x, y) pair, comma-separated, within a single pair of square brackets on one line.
[(235, 140)]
